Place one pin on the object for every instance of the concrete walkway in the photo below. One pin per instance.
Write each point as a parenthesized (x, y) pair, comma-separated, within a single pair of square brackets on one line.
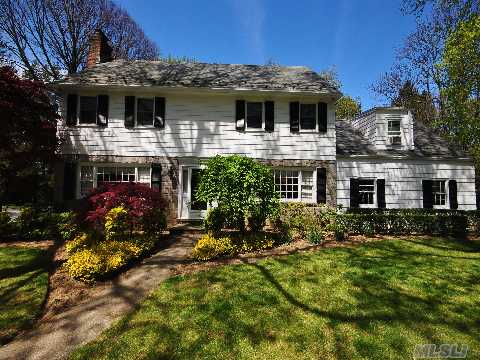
[(82, 323)]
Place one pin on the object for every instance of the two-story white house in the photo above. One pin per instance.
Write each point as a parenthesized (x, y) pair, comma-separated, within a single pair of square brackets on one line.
[(154, 122)]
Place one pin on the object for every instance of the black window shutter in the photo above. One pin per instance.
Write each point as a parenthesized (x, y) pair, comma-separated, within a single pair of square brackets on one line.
[(452, 194), (159, 121), (354, 200), (72, 100), (129, 111), (156, 180), (269, 115), (322, 117), (321, 185), (102, 110), (69, 181), (294, 116), (381, 194), (427, 194), (240, 115)]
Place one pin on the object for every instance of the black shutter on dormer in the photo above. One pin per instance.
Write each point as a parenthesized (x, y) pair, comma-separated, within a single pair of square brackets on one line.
[(72, 100), (159, 119), (269, 115), (294, 116), (129, 111), (322, 117), (354, 193), (381, 194), (102, 110), (321, 185), (427, 187), (452, 194), (156, 179), (240, 115)]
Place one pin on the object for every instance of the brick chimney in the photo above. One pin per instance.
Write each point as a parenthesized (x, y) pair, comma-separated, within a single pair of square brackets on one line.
[(99, 51)]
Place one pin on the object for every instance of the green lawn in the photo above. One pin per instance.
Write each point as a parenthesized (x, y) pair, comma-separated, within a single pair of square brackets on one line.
[(23, 287), (375, 301)]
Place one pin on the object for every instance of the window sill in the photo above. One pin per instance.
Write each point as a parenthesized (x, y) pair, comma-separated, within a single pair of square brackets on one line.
[(89, 126), (367, 206), (255, 130)]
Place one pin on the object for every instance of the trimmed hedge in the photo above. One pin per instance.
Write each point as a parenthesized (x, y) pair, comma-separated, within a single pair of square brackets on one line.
[(401, 223)]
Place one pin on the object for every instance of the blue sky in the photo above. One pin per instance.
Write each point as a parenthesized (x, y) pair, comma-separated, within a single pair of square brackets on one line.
[(358, 37)]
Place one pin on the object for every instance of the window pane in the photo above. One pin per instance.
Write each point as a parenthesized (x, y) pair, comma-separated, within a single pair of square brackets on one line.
[(439, 193), (308, 116), (307, 185), (254, 115), (88, 109), (394, 127), (86, 180), (286, 183), (366, 191), (144, 175), (145, 112)]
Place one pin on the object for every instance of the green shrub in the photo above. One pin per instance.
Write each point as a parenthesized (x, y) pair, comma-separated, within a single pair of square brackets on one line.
[(315, 236), (33, 223), (241, 187), (67, 226), (214, 220), (6, 225)]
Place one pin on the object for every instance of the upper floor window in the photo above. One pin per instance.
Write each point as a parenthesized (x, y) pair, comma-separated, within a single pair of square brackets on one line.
[(308, 116), (366, 191), (145, 111), (394, 133), (439, 192), (294, 185), (254, 115), (88, 110)]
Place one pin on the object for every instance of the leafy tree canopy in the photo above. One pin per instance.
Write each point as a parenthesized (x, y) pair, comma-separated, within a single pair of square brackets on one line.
[(347, 108), (420, 103), (28, 138), (461, 65)]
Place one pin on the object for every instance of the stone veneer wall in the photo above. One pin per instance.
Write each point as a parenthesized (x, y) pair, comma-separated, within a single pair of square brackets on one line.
[(170, 167)]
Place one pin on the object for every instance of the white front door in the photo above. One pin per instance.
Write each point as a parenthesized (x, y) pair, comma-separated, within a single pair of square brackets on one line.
[(190, 207)]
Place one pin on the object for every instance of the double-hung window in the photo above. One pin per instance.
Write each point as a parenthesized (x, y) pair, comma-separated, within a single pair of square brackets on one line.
[(308, 116), (254, 115), (145, 108), (439, 193), (394, 133), (88, 110), (366, 191), (92, 176), (295, 185)]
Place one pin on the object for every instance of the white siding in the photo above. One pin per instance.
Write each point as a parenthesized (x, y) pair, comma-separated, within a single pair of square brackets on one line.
[(367, 125), (202, 126), (403, 180)]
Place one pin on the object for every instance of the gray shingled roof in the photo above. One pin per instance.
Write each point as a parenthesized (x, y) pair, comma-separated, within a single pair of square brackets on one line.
[(428, 143), (201, 75)]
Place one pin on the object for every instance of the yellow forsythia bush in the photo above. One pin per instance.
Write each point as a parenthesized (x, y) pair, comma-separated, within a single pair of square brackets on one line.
[(209, 247), (116, 223), (81, 241), (105, 257)]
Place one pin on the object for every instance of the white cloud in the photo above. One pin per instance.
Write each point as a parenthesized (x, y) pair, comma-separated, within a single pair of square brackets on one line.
[(251, 17)]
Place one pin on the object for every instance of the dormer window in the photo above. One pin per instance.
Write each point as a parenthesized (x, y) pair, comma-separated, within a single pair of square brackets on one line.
[(394, 133)]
